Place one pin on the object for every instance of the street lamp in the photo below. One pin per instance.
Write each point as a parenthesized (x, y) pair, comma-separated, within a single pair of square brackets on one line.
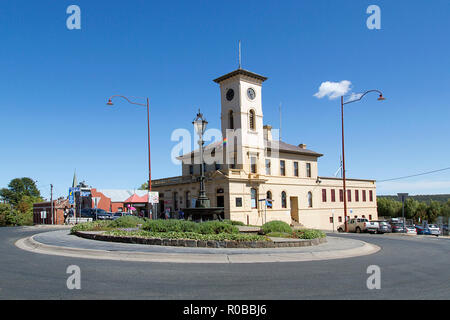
[(200, 127), (380, 98)]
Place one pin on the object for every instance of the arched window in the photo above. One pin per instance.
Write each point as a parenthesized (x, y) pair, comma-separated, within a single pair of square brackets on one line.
[(252, 119), (269, 200), (254, 200), (283, 200), (231, 119), (310, 203)]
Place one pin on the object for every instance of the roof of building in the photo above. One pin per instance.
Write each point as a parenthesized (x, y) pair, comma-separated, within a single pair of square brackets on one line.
[(290, 148), (282, 147), (240, 72), (120, 195), (137, 199)]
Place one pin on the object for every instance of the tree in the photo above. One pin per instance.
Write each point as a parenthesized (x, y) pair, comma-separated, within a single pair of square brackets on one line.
[(411, 207), (8, 216), (446, 209), (20, 196), (17, 189), (144, 186), (433, 210), (389, 207)]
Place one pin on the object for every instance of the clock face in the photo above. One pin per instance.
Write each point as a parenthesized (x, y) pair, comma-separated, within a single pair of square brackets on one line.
[(251, 93), (230, 94)]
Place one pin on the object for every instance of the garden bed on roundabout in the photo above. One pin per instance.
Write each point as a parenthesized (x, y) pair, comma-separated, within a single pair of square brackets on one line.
[(209, 234)]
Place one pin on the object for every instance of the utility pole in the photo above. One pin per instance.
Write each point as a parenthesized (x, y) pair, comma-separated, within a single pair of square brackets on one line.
[(51, 202)]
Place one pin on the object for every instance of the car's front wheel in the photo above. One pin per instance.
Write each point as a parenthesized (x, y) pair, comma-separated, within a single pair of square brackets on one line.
[(358, 230)]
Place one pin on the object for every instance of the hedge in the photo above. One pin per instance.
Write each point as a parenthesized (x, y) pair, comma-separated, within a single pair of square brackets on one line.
[(126, 222), (276, 226), (98, 225), (188, 235), (309, 234), (208, 227)]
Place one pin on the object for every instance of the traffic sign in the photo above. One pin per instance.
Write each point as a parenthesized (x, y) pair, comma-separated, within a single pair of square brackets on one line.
[(96, 201), (153, 197), (402, 196)]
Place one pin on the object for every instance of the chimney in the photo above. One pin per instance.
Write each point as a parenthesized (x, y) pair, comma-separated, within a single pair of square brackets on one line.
[(302, 145), (267, 132)]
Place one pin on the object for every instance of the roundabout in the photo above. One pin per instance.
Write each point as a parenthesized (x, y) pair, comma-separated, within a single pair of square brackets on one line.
[(62, 243), (411, 268)]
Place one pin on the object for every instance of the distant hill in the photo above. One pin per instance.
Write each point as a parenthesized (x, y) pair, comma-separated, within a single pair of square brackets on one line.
[(424, 198)]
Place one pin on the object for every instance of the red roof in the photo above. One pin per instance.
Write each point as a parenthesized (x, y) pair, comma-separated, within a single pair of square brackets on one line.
[(136, 199)]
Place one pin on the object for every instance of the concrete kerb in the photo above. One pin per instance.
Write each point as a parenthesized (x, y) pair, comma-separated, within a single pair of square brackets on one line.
[(31, 245)]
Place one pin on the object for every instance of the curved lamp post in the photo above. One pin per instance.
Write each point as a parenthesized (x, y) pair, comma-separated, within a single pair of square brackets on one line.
[(200, 127), (109, 103), (380, 98)]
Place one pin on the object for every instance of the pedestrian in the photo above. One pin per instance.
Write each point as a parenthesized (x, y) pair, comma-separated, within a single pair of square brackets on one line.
[(167, 213), (181, 214), (66, 213)]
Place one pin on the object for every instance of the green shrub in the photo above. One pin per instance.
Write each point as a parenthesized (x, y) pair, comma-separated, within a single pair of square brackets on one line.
[(189, 235), (170, 226), (276, 226), (234, 223), (98, 225), (208, 227), (309, 234), (216, 227), (127, 222)]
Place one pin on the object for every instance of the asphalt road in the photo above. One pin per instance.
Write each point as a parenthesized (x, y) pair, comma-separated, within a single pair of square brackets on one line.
[(411, 268)]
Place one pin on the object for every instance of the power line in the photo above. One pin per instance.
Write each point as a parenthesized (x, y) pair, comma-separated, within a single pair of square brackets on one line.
[(414, 175)]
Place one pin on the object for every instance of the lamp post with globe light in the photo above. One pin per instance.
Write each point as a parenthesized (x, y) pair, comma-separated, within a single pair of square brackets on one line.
[(200, 124)]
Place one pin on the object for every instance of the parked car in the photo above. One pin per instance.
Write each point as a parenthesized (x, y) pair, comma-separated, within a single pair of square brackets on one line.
[(96, 214), (430, 229), (359, 225), (411, 229), (383, 227), (119, 214), (398, 227)]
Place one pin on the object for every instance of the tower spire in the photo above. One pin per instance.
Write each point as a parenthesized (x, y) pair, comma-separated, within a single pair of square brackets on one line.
[(240, 54), (74, 181)]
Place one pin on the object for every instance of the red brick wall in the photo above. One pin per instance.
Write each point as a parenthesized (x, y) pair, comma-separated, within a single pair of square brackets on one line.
[(105, 202), (58, 209)]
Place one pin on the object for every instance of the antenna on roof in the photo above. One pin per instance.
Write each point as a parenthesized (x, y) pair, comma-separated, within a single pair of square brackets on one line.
[(239, 54)]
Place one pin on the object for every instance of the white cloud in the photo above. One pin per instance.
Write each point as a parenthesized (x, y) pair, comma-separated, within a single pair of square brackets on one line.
[(333, 89), (354, 96)]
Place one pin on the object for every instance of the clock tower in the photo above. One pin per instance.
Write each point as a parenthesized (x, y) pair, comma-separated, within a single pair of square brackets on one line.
[(242, 118)]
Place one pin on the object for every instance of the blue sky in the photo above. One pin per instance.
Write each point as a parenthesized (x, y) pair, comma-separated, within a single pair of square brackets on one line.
[(54, 84)]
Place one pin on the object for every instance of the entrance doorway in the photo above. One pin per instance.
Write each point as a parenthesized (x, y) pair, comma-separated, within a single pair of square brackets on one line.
[(220, 201), (294, 209)]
